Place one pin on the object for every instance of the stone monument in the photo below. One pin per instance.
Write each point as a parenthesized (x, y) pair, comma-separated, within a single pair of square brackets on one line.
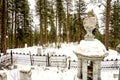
[(90, 52), (118, 48), (89, 25), (3, 76), (25, 73)]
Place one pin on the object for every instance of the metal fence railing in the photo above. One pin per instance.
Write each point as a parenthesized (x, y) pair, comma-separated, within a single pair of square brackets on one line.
[(5, 60), (41, 60), (50, 60)]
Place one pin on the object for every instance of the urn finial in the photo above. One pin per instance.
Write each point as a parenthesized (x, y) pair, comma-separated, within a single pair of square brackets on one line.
[(89, 25)]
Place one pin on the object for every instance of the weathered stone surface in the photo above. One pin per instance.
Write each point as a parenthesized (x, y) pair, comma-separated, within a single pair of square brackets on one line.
[(118, 48), (25, 74), (79, 75), (3, 76), (91, 50), (96, 70), (89, 25), (84, 70)]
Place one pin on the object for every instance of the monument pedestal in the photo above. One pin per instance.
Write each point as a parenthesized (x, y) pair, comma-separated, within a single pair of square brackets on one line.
[(90, 53), (25, 74), (3, 76)]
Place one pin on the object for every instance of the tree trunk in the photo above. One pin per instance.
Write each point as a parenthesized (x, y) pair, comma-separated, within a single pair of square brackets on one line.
[(11, 40), (15, 35), (56, 38), (79, 19), (4, 26), (0, 21), (107, 24), (41, 28), (67, 22), (45, 16)]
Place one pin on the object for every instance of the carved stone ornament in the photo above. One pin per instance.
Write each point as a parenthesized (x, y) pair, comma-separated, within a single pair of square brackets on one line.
[(89, 25)]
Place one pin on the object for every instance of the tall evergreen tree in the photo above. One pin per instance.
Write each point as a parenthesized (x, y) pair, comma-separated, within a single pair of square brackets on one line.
[(115, 25), (67, 26), (11, 10), (39, 4), (36, 36), (51, 17), (80, 7), (61, 17), (42, 12), (18, 16)]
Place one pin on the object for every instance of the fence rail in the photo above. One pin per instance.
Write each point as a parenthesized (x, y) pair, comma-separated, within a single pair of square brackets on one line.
[(41, 60), (50, 60), (5, 60)]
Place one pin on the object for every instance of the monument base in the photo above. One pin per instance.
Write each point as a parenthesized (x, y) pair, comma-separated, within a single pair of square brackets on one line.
[(76, 78)]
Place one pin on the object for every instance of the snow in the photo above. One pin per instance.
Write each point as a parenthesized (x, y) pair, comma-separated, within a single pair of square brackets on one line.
[(109, 75), (66, 49), (91, 48), (42, 73), (54, 73), (58, 73), (112, 55), (26, 50)]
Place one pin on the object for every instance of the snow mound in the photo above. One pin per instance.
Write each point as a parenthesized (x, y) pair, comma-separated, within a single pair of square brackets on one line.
[(91, 48)]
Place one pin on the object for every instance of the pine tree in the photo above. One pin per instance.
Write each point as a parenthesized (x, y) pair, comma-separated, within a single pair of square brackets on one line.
[(42, 12), (51, 16), (18, 11), (11, 10), (80, 7), (36, 36), (61, 18), (115, 25)]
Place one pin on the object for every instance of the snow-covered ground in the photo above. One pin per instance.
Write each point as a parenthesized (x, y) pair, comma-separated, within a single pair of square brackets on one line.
[(66, 49), (44, 73), (54, 73)]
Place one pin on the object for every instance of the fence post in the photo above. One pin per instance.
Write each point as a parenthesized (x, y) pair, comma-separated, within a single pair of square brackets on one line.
[(31, 58), (11, 54), (69, 64), (119, 73), (48, 59)]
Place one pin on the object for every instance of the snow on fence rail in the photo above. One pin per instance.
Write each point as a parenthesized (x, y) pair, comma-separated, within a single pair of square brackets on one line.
[(50, 60), (105, 65), (41, 60), (5, 60)]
